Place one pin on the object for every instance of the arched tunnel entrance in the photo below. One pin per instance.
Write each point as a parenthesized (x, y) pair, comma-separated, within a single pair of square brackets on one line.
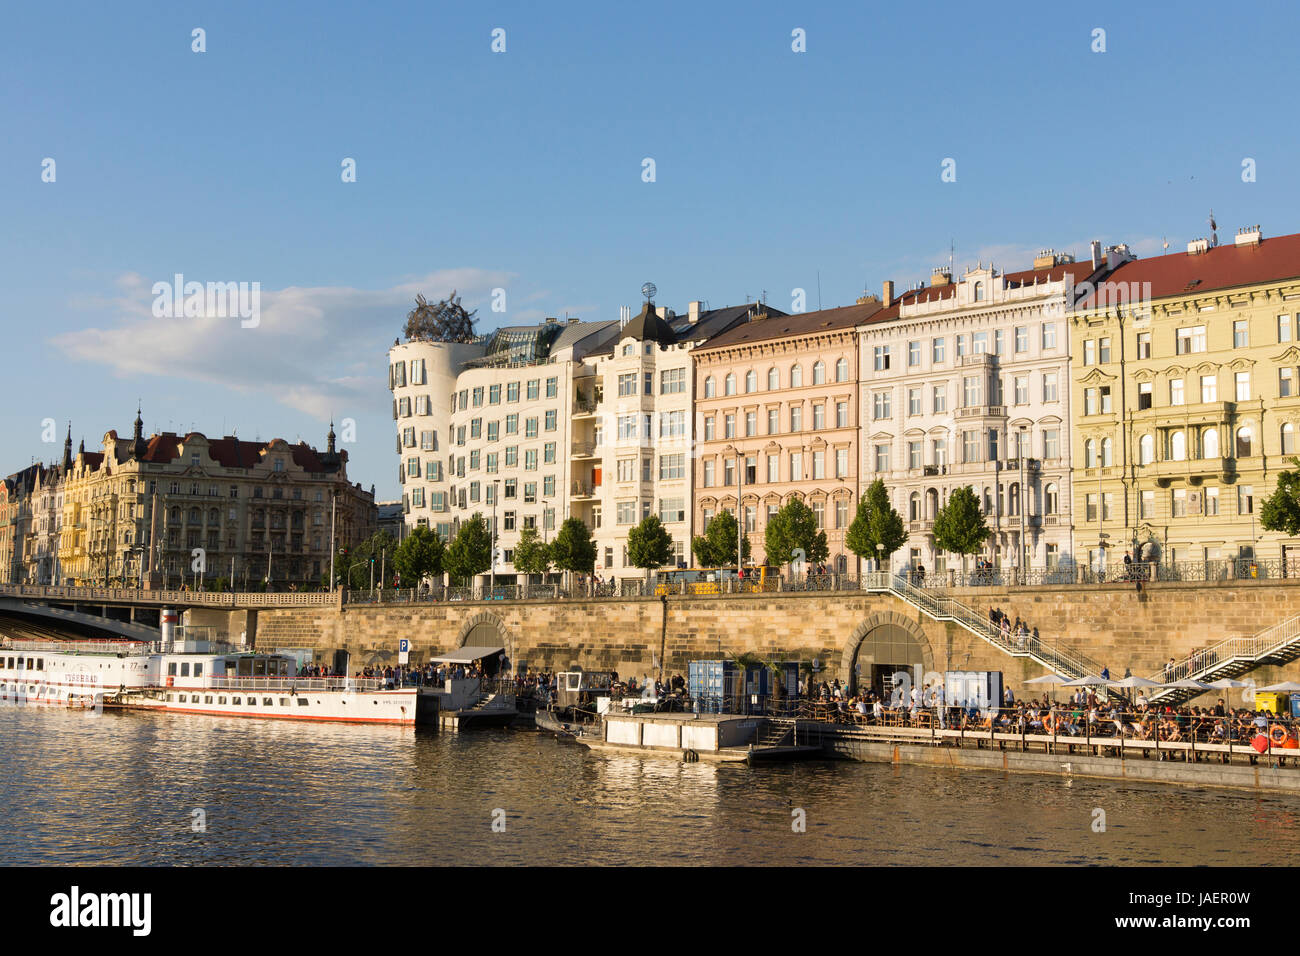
[(880, 647)]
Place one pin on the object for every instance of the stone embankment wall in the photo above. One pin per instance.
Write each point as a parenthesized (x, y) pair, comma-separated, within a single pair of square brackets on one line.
[(1116, 625)]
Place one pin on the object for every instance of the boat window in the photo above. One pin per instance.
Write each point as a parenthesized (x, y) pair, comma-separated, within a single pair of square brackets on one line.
[(170, 698), (171, 668), (267, 702), (30, 663), (180, 698), (233, 700), (207, 698), (198, 670), (185, 669), (222, 700), (284, 701), (259, 667), (40, 663), (252, 702), (302, 701)]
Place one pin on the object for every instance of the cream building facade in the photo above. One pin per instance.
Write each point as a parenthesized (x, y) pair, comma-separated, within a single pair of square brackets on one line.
[(1187, 402)]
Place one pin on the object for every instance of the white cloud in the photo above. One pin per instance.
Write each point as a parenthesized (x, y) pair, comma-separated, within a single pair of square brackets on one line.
[(314, 348)]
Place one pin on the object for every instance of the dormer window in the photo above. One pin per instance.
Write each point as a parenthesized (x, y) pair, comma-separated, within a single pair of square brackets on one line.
[(279, 464), (194, 460), (979, 291)]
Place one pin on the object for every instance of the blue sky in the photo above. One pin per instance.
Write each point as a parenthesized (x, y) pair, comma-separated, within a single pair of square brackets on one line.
[(523, 170)]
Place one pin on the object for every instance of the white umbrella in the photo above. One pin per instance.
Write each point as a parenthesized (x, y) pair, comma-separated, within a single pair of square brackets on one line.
[(1088, 681), (1227, 683), (1135, 681), (1056, 679), (1287, 686), (1187, 683)]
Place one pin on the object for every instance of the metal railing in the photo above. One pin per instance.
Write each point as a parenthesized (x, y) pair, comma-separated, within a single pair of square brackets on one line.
[(299, 684), (89, 595), (1237, 653)]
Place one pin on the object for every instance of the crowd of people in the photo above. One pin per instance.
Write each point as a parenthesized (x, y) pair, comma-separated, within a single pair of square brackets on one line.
[(1019, 632)]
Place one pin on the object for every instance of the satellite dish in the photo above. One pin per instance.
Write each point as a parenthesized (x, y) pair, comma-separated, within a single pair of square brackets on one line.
[(648, 290)]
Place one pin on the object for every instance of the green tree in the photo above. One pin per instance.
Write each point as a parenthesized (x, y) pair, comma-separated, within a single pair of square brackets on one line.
[(649, 545), (1280, 511), (573, 549), (445, 321), (959, 527), (876, 523), (793, 530), (470, 552), (419, 556), (716, 548), (532, 555)]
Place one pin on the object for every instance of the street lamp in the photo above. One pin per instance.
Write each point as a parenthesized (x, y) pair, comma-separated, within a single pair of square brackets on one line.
[(880, 556), (492, 576)]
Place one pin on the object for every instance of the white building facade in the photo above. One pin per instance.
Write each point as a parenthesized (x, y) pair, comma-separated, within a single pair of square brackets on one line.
[(966, 383)]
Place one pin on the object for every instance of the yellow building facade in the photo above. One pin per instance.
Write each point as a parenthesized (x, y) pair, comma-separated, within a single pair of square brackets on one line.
[(1185, 407)]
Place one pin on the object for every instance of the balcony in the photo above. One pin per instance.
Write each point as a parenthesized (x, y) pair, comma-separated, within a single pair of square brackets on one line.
[(922, 526), (583, 449), (582, 490), (982, 411), (584, 407), (933, 471)]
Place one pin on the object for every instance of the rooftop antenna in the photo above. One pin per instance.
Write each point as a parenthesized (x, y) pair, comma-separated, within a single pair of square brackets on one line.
[(1164, 241), (1214, 231), (819, 290)]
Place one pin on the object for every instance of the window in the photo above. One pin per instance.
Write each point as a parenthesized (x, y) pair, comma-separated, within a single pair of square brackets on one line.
[(1179, 503), (512, 391), (796, 418), (970, 446), (1051, 499), (548, 453), (672, 466), (1175, 391), (729, 426), (882, 457), (1147, 505), (1177, 446), (1144, 395), (1210, 443), (1105, 400), (729, 384), (627, 385), (936, 350), (939, 399), (842, 513), (1240, 334), (1209, 388), (534, 389), (709, 473), (913, 354), (672, 509), (550, 420), (751, 381), (972, 391), (842, 370), (512, 455), (819, 464), (1211, 501), (773, 467), (1107, 458), (1244, 437), (1243, 386), (1190, 339), (625, 512), (796, 377), (1090, 453), (709, 428), (1103, 350), (710, 387), (1245, 500), (819, 416), (1089, 352), (627, 469), (728, 471), (915, 455), (1285, 382), (672, 381), (880, 405), (512, 424), (773, 421), (842, 413), (1051, 443), (1022, 338), (494, 394), (1284, 328), (1144, 345), (1049, 335), (980, 343), (1022, 389), (979, 291), (552, 387), (819, 370), (879, 360), (773, 380), (796, 466), (751, 422), (673, 424), (1090, 506), (1146, 450)]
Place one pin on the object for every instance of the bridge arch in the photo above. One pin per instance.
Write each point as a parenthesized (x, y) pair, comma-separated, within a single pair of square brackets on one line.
[(883, 642)]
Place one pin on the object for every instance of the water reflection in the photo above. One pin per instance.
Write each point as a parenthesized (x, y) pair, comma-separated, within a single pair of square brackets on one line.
[(121, 788)]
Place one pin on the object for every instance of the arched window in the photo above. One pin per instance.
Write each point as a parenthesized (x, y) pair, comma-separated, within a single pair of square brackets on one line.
[(842, 370), (212, 516), (1243, 441), (1146, 450), (710, 387), (1210, 443), (1177, 446), (751, 381), (796, 377), (1051, 499), (979, 291), (819, 373), (194, 515), (842, 564), (1013, 499), (729, 384), (1106, 453), (914, 507), (773, 379), (1288, 439), (1090, 453), (988, 501)]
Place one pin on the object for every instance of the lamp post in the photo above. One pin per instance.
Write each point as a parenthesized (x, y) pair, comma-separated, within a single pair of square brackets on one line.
[(1022, 448), (333, 503), (880, 556), (492, 577)]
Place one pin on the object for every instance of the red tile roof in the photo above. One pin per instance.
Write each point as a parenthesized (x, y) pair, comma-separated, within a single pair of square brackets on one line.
[(1223, 267), (791, 326)]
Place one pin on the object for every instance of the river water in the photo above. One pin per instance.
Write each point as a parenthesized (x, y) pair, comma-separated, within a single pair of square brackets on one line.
[(124, 789)]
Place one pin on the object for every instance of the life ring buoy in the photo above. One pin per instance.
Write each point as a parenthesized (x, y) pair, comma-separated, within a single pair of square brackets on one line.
[(171, 681), (1277, 735), (1049, 725)]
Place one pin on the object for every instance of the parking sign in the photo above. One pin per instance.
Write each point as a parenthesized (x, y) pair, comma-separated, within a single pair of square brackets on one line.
[(403, 651)]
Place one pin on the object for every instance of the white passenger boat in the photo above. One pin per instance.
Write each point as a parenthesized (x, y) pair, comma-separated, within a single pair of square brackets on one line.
[(191, 676)]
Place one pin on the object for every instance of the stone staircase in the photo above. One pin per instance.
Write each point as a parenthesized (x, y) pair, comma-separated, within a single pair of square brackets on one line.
[(1230, 658), (1060, 660), (775, 734)]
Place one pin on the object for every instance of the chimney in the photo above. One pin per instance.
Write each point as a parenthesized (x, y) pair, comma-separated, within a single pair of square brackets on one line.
[(941, 276), (887, 296), (1096, 254), (1198, 246), (1045, 259), (695, 312), (1248, 236), (624, 315)]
